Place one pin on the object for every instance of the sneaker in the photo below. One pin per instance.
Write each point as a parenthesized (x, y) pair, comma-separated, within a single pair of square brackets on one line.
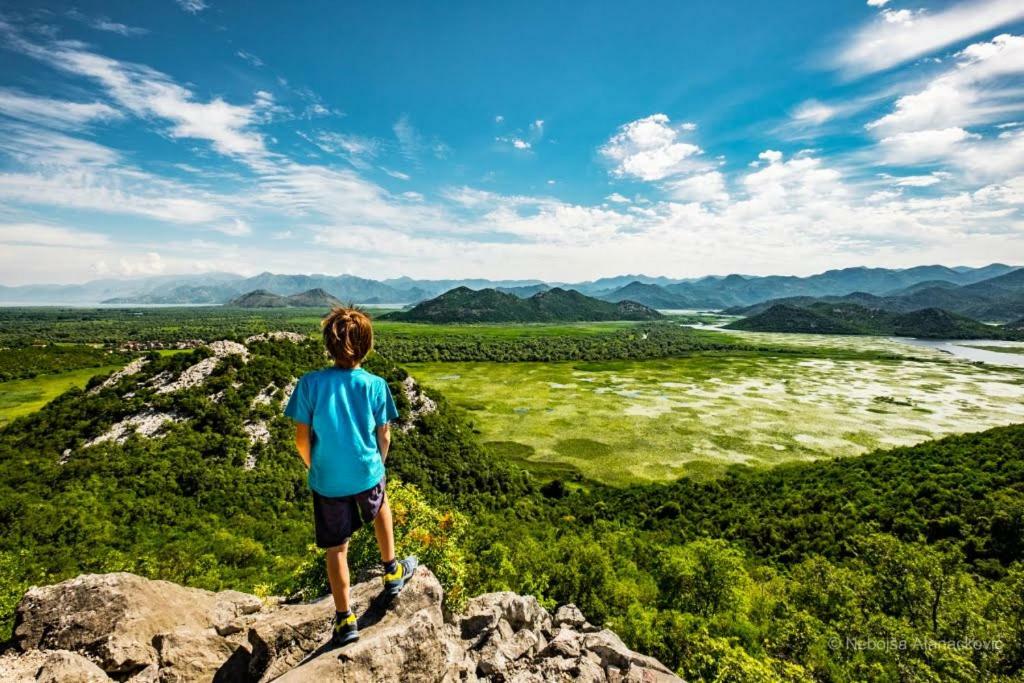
[(345, 630), (393, 583)]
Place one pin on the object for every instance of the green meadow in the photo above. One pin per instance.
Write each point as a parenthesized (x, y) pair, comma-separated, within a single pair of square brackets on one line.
[(23, 396), (628, 421)]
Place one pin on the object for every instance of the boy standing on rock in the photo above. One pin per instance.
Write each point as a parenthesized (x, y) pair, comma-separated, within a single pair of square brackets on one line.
[(342, 432)]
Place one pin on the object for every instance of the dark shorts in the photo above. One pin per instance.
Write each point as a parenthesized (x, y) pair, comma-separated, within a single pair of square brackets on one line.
[(336, 519)]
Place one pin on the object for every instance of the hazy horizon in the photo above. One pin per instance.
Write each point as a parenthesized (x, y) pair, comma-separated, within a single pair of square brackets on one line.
[(185, 275)]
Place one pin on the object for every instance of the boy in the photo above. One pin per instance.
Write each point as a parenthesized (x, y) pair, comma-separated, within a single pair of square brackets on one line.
[(342, 415)]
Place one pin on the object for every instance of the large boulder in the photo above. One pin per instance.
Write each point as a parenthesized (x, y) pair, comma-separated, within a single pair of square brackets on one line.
[(100, 628), (114, 618)]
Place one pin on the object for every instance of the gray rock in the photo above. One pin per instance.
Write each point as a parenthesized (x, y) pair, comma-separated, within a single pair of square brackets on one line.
[(401, 641), (113, 618), (188, 655), (99, 628), (569, 615)]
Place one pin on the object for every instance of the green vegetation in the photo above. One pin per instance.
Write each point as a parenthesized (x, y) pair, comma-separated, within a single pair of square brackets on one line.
[(826, 318), (464, 305), (31, 361), (20, 397), (900, 565), (627, 421)]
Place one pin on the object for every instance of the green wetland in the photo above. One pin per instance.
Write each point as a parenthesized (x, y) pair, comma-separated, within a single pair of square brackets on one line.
[(622, 422)]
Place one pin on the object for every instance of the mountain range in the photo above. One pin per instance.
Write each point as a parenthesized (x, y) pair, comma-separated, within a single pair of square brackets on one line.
[(710, 292), (997, 299), (463, 305)]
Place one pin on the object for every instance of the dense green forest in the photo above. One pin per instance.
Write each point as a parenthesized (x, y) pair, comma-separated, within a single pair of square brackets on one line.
[(903, 565), (31, 361)]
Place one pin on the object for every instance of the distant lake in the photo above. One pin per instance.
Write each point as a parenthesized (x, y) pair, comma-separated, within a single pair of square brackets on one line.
[(966, 349)]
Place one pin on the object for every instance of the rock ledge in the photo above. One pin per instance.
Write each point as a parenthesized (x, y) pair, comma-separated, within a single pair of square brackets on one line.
[(122, 627)]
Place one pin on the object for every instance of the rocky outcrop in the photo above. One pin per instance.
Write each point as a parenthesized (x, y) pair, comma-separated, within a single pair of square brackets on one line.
[(125, 628), (421, 403)]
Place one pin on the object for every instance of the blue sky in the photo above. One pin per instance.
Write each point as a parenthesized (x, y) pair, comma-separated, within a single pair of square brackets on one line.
[(563, 141)]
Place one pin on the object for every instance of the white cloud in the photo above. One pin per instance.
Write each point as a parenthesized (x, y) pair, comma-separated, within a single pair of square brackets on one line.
[(903, 17), (920, 180), (885, 43), (102, 24), (923, 145), (149, 93), (36, 234), (877, 3), (770, 155), (397, 174), (149, 263), (250, 57), (346, 144), (704, 187), (499, 119), (192, 6), (520, 144), (970, 93), (235, 228), (617, 198), (813, 112), (51, 112), (649, 149)]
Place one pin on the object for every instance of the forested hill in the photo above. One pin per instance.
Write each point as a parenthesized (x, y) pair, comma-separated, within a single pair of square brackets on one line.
[(464, 305), (827, 318), (261, 298)]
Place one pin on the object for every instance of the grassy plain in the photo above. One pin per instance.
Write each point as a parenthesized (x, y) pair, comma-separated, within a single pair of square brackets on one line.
[(23, 396), (627, 421)]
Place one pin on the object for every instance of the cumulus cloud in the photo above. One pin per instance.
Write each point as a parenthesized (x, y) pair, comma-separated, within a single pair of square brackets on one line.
[(650, 149), (704, 187), (923, 145)]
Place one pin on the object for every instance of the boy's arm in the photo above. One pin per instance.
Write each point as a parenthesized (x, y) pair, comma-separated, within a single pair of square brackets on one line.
[(384, 440), (303, 443)]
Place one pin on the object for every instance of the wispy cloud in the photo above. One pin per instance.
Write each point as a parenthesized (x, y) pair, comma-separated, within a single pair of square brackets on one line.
[(146, 92), (893, 39), (250, 57), (192, 6), (51, 112), (104, 24)]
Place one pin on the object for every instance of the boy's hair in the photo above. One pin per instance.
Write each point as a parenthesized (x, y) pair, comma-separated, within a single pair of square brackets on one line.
[(348, 336)]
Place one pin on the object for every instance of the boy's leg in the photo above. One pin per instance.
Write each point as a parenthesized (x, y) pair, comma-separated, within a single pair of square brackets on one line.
[(396, 573), (385, 532), (337, 575)]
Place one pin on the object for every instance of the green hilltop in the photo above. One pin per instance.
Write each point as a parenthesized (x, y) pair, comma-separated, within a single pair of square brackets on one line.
[(465, 305)]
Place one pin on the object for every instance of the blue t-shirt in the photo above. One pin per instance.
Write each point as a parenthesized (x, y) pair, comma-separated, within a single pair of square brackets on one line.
[(344, 409)]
